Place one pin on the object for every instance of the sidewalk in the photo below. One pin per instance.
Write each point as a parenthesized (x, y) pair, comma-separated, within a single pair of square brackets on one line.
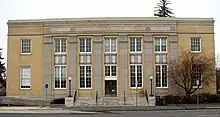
[(39, 110), (143, 108)]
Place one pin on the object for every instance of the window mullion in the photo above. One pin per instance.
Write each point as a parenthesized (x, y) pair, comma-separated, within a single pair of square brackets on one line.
[(110, 67), (161, 76), (85, 76), (60, 76), (135, 44), (136, 75), (160, 45), (60, 45), (110, 44), (85, 45)]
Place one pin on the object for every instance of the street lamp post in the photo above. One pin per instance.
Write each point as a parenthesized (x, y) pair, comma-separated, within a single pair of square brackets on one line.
[(70, 95), (151, 85), (197, 83)]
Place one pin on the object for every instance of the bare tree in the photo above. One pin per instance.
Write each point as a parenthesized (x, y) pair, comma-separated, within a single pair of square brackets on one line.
[(2, 73), (190, 67), (218, 72)]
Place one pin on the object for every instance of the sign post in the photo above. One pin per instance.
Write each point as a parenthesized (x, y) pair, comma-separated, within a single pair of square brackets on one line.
[(46, 87)]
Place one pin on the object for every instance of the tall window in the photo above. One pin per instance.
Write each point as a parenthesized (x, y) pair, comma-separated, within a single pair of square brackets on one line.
[(197, 75), (60, 59), (25, 46), (85, 63), (195, 44), (161, 62), (110, 57), (136, 78), (161, 76), (25, 77)]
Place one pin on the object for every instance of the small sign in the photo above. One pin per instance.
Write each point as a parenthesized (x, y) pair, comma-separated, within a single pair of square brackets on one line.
[(46, 85)]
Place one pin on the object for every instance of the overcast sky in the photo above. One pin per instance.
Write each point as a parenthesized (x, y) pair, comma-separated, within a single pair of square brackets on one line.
[(35, 9)]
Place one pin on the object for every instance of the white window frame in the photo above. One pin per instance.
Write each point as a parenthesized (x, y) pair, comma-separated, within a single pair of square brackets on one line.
[(60, 39), (60, 76), (111, 38), (160, 38), (85, 38), (199, 45), (111, 77), (85, 77), (21, 73), (30, 46), (136, 76), (201, 86), (136, 64), (161, 79), (136, 37)]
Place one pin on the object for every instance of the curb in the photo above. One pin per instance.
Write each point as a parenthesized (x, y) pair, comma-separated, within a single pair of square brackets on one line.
[(44, 112), (138, 109)]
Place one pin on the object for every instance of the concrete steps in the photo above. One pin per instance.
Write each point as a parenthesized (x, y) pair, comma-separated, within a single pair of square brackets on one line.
[(111, 101)]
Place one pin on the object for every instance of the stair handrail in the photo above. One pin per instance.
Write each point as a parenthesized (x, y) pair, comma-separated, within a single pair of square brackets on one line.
[(146, 95), (96, 98), (75, 95)]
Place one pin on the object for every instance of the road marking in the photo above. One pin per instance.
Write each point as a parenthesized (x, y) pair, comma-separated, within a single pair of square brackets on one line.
[(209, 115)]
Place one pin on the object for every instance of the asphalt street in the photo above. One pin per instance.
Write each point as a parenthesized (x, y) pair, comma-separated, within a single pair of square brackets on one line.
[(170, 113)]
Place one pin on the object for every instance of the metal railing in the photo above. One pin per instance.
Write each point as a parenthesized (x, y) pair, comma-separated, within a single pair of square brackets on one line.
[(75, 96)]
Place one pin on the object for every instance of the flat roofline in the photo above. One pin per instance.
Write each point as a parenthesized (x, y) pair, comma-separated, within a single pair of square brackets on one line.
[(113, 18)]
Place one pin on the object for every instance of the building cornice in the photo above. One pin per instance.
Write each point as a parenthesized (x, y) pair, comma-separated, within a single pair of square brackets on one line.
[(107, 20)]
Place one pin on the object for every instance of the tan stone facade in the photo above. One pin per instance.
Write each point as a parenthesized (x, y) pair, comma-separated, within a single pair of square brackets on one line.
[(46, 33)]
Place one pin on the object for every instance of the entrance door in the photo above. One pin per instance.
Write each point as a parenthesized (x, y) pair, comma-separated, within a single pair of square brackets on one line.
[(110, 87)]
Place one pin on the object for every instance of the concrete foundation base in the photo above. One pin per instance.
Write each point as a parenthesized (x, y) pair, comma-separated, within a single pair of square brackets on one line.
[(68, 101), (152, 100)]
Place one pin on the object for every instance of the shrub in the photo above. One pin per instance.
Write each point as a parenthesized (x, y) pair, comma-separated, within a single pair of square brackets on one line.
[(203, 98)]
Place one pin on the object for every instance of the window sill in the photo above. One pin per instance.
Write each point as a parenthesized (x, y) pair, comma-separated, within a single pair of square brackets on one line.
[(85, 52), (60, 88), (25, 88), (110, 77), (162, 52), (138, 52), (196, 52), (111, 52), (133, 88), (162, 87), (200, 87), (25, 54), (85, 88)]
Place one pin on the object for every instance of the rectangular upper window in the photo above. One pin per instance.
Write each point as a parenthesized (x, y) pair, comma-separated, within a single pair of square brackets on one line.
[(160, 44), (26, 46), (60, 45), (135, 44), (85, 45), (110, 44), (25, 77), (195, 44)]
